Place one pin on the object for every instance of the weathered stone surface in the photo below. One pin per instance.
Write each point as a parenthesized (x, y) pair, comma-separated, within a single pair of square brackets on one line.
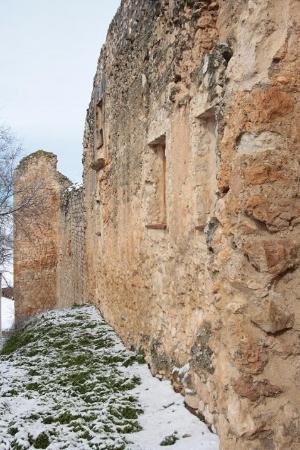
[(247, 387), (273, 317), (203, 99), (36, 234)]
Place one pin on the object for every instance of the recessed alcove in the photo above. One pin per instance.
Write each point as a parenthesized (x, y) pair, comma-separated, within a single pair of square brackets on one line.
[(157, 208)]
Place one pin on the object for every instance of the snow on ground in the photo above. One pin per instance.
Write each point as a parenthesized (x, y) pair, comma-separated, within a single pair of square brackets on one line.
[(7, 313), (67, 382), (165, 416)]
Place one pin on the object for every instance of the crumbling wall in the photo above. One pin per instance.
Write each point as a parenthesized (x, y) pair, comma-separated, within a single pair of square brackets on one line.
[(48, 237), (71, 259), (37, 194), (191, 184)]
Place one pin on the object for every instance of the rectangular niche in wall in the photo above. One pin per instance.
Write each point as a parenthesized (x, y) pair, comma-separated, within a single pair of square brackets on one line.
[(156, 185), (205, 167), (99, 138), (99, 125)]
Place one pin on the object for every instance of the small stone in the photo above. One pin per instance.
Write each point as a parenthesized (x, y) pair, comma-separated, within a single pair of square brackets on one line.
[(274, 318), (282, 80), (254, 390)]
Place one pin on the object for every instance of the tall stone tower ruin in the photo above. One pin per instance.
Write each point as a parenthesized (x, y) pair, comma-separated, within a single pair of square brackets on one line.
[(48, 237)]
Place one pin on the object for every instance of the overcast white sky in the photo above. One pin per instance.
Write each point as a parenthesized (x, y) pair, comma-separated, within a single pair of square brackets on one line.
[(49, 51)]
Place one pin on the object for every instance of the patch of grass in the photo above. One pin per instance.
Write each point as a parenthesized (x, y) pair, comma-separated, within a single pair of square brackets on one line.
[(12, 431), (131, 384), (42, 441), (74, 363), (169, 440), (34, 417), (82, 317), (33, 372), (78, 378), (85, 388), (34, 387), (89, 326), (140, 356), (102, 342), (70, 347), (125, 412), (17, 341), (84, 359), (59, 344), (48, 420), (66, 418), (10, 393), (89, 418), (130, 413), (130, 427), (16, 446), (86, 435), (33, 352), (86, 340)]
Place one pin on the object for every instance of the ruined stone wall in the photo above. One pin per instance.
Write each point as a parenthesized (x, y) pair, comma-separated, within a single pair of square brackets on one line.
[(71, 260), (48, 237), (191, 185), (37, 194)]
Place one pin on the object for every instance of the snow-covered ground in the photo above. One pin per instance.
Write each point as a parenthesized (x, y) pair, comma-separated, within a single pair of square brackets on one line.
[(7, 313), (67, 382)]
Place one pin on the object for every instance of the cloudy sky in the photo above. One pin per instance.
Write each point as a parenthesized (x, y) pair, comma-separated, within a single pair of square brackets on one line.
[(49, 51)]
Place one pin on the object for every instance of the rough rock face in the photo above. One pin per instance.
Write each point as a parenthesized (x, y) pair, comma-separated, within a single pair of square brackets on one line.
[(191, 185), (48, 237)]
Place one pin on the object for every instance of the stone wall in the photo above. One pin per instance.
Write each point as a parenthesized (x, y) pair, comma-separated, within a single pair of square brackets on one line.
[(71, 260), (191, 190), (37, 188), (188, 240), (47, 225)]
